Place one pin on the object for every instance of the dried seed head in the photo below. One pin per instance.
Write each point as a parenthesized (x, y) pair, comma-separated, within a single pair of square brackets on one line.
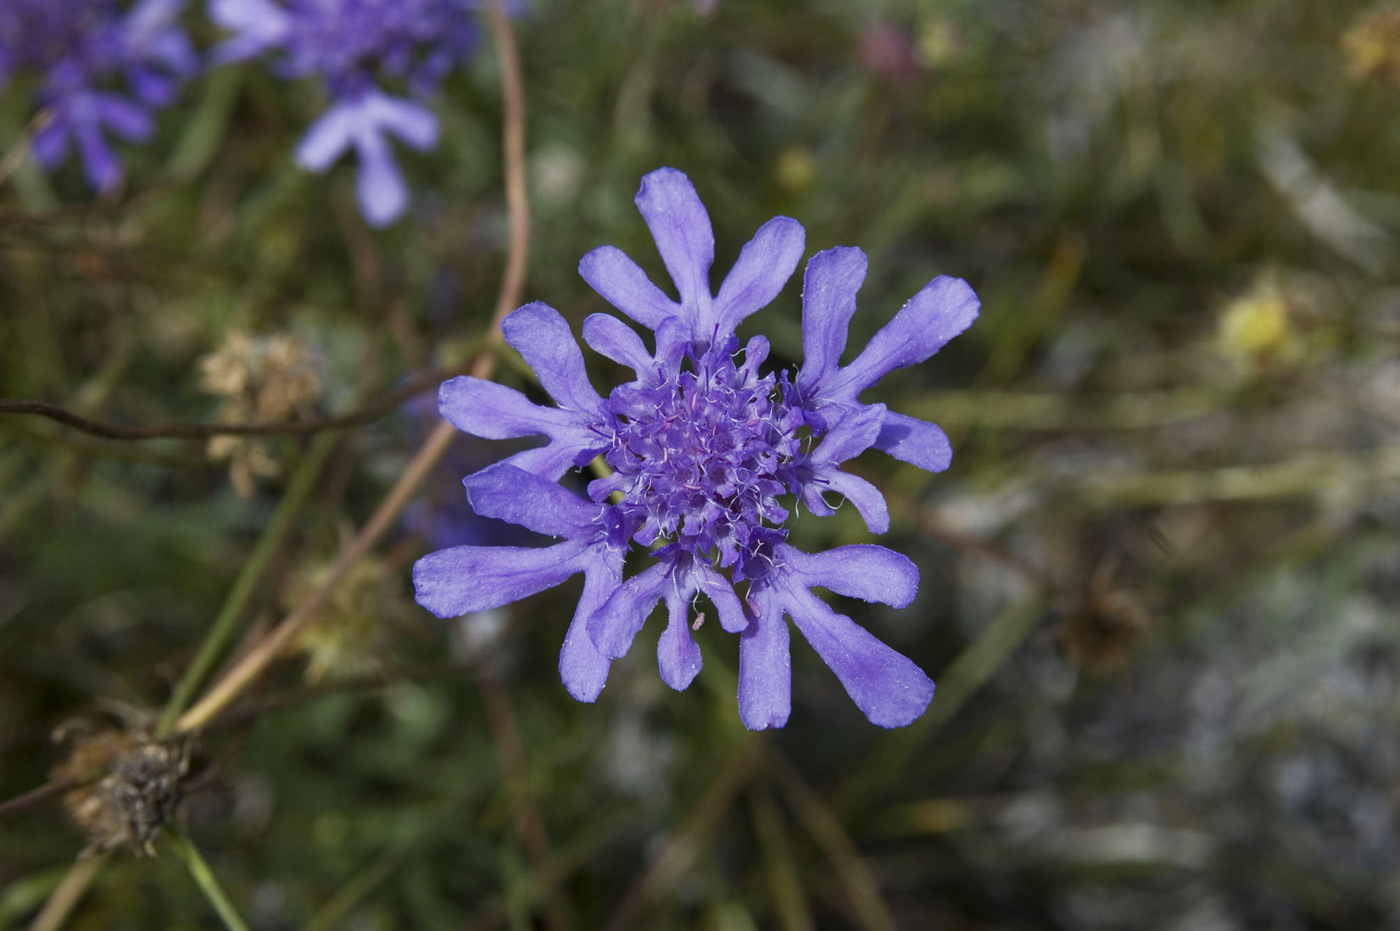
[(129, 787), (269, 377), (261, 379)]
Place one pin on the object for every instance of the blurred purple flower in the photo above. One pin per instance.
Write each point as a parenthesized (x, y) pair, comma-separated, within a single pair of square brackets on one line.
[(888, 51), (82, 51), (353, 46), (701, 448)]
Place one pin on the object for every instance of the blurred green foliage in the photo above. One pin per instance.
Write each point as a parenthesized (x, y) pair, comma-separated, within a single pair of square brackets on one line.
[(1159, 583)]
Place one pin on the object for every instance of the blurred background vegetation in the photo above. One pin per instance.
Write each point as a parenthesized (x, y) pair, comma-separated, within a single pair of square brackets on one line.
[(1159, 582)]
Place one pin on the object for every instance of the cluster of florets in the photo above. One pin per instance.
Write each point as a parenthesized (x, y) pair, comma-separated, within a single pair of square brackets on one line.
[(100, 68), (700, 447), (353, 47), (700, 459)]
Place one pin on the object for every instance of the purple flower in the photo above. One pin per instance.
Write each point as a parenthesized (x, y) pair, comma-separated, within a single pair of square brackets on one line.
[(702, 447), (100, 71), (353, 46)]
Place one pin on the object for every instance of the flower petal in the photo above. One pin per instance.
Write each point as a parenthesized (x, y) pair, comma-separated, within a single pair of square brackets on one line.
[(326, 140), (942, 309), (173, 49), (677, 653), (829, 288), (540, 334), (885, 684), (583, 670), (260, 24), (623, 284), (103, 170), (721, 594), (552, 460), (915, 441), (616, 623), (764, 266), (381, 189), (508, 493), (862, 570), (124, 118), (851, 430), (495, 412), (681, 227), (51, 144), (464, 579), (672, 343), (414, 123), (615, 340), (865, 496), (149, 17), (765, 665)]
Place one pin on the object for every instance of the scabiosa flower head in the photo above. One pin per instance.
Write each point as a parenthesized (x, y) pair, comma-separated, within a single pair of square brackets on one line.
[(703, 445), (102, 67), (353, 46)]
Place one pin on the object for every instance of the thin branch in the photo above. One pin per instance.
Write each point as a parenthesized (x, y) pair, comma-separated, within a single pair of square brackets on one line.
[(69, 893), (77, 444), (513, 145), (221, 631), (255, 663), (34, 797), (198, 431)]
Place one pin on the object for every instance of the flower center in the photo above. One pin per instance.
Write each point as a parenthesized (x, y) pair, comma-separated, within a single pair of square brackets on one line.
[(701, 459)]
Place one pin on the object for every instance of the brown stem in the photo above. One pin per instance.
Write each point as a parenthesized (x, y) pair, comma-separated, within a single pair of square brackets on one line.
[(513, 146), (69, 892), (21, 803), (256, 662), (199, 431)]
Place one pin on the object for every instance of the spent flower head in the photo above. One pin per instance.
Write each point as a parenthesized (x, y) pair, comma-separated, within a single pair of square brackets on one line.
[(127, 784), (703, 446), (101, 67), (259, 379), (353, 47)]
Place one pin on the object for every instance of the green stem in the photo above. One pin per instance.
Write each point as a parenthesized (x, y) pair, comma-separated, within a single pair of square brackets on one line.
[(206, 880), (333, 913), (973, 668), (216, 641)]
